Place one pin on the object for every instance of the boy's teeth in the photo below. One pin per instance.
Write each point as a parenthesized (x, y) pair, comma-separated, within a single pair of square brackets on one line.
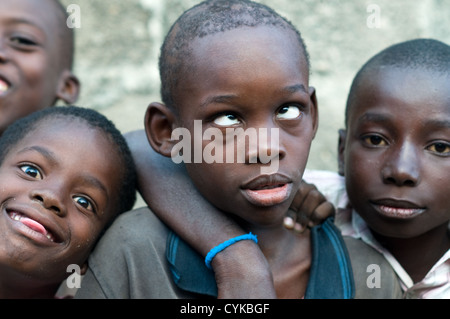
[(3, 86), (33, 225)]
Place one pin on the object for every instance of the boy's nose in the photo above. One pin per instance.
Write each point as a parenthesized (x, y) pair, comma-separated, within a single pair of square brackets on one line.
[(50, 200), (402, 167), (267, 148)]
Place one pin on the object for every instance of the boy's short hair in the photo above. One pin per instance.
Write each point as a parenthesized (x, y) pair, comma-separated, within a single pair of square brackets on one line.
[(425, 54), (208, 18), (25, 126)]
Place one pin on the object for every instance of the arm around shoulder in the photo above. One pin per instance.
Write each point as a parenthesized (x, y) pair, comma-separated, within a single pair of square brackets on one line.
[(169, 192)]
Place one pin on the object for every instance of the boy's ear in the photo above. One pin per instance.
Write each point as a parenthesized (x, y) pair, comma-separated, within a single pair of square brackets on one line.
[(68, 87), (341, 151), (159, 121), (84, 268), (314, 109)]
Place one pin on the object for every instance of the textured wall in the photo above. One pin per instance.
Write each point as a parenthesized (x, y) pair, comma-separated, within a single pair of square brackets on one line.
[(118, 44)]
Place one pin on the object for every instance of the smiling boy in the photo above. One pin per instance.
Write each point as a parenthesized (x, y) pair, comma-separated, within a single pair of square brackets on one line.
[(36, 56), (54, 204)]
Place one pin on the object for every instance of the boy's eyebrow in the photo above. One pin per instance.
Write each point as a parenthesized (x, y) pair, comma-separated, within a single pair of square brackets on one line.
[(295, 88), (30, 22), (373, 117), (20, 20), (383, 118), (218, 99), (438, 123), (229, 97), (95, 182), (43, 151)]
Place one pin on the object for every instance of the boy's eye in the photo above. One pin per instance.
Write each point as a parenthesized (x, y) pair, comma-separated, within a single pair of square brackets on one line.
[(374, 140), (441, 148), (227, 120), (31, 171), (289, 112), (84, 202), (22, 41)]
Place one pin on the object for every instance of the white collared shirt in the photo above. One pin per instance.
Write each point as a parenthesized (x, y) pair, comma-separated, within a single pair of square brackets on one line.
[(435, 285)]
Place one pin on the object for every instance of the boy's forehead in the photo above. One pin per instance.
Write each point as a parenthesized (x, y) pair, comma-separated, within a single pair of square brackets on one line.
[(250, 40), (44, 14), (403, 87)]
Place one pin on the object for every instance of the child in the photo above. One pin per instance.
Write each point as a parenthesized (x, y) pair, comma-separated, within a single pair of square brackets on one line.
[(36, 56), (387, 115), (398, 125), (58, 193), (247, 276), (211, 71)]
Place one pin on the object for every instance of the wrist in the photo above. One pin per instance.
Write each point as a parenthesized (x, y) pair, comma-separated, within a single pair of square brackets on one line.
[(242, 259), (221, 247), (242, 271)]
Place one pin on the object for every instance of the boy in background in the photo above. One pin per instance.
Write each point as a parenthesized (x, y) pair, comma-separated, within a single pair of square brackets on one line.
[(36, 57), (395, 157)]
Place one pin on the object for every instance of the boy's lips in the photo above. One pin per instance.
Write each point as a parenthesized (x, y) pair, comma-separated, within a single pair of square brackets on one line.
[(268, 190), (32, 224), (398, 209)]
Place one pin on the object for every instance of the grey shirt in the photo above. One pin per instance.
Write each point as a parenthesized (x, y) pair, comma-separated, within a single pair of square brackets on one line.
[(130, 262)]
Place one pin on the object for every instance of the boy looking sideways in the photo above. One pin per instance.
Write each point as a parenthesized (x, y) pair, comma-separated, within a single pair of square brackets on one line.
[(393, 157), (230, 64)]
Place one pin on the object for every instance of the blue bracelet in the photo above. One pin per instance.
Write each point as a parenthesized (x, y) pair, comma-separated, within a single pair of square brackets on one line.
[(213, 252)]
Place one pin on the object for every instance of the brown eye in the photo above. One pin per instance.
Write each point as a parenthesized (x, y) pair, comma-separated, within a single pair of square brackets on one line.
[(441, 148), (374, 140)]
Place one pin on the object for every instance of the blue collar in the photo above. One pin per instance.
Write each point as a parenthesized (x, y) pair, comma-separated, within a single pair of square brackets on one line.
[(331, 275)]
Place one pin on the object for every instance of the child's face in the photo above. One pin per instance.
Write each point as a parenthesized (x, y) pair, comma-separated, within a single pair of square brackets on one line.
[(397, 152), (31, 75), (250, 79), (57, 193)]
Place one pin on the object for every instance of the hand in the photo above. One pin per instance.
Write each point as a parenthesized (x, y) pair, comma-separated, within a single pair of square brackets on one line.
[(309, 208)]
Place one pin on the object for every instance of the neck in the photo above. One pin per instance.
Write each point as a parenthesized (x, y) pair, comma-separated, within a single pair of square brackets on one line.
[(417, 255), (289, 258), (272, 240), (13, 286)]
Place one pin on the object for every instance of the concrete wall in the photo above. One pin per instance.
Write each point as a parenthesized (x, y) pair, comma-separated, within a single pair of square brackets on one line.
[(118, 42)]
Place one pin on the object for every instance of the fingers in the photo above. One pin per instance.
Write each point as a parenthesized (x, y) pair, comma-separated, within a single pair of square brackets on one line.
[(309, 208), (322, 212), (290, 222)]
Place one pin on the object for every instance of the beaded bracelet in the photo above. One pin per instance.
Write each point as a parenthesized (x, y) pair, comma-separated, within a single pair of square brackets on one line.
[(213, 252)]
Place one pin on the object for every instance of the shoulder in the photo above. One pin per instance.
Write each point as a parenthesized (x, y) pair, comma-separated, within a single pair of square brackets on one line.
[(330, 184), (130, 236), (129, 259), (331, 273), (373, 276)]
